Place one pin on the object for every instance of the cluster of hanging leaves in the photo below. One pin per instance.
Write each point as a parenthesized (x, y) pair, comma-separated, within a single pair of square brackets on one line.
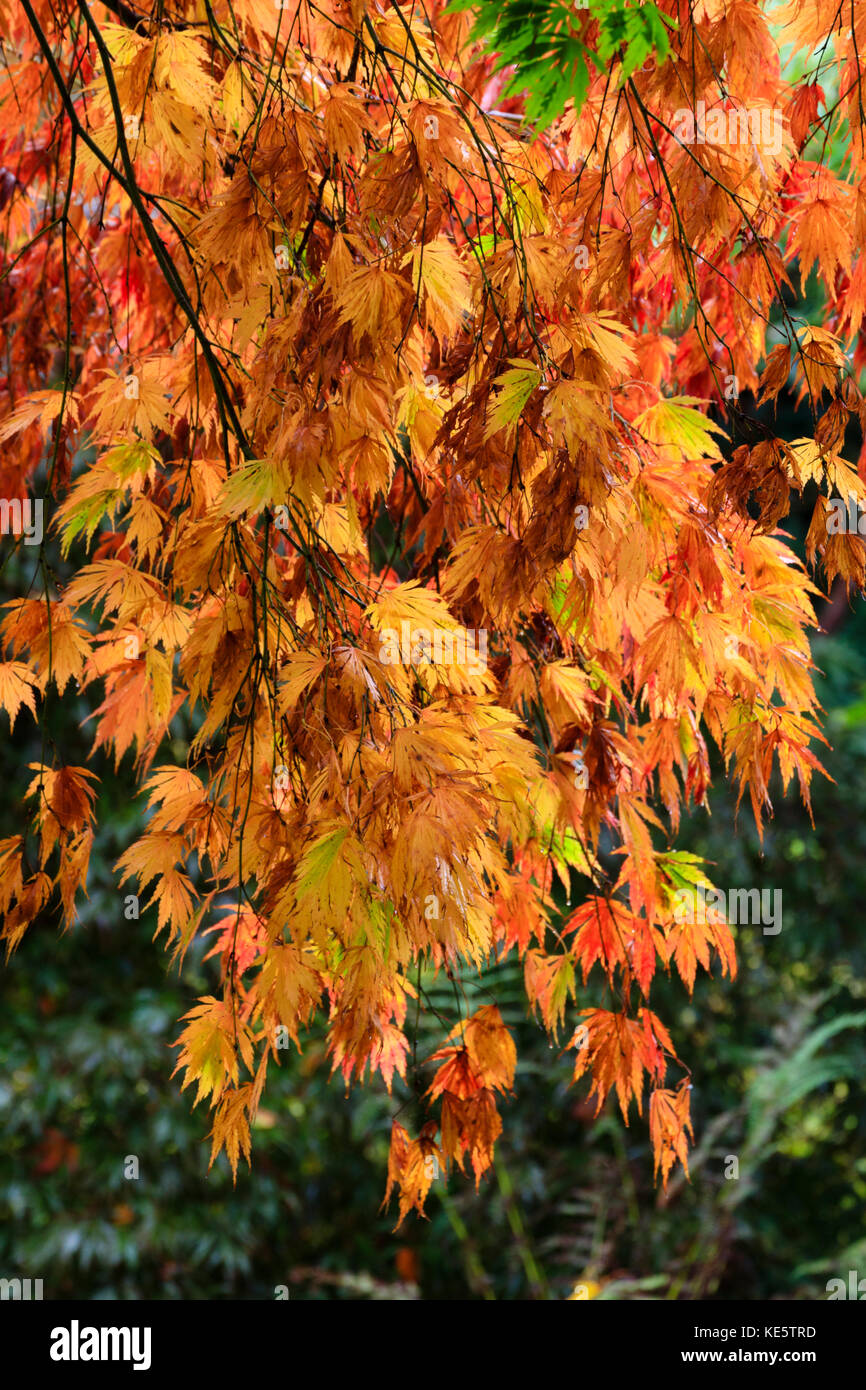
[(374, 426)]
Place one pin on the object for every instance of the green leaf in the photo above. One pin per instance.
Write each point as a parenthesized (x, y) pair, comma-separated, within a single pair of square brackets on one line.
[(543, 41), (514, 389)]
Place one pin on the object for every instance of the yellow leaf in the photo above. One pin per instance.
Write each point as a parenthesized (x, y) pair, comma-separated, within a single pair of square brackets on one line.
[(673, 421), (439, 275), (16, 689)]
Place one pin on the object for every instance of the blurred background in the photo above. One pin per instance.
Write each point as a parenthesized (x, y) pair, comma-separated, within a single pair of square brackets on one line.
[(777, 1057)]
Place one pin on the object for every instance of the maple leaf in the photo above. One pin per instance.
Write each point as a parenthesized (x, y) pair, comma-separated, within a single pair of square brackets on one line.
[(471, 1125), (208, 1050), (231, 1127), (72, 873), (549, 984), (663, 658), (822, 229), (803, 110), (371, 299), (491, 1048), (675, 422), (397, 1155), (412, 1166), (300, 672), (11, 870), (606, 932), (439, 273), (288, 988), (608, 340), (515, 388), (17, 685), (567, 691), (58, 645), (775, 373), (618, 1051), (457, 1075), (413, 604), (688, 944), (819, 360), (42, 407), (670, 1122), (64, 803)]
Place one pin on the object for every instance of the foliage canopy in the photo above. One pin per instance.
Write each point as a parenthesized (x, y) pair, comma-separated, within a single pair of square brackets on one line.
[(382, 434)]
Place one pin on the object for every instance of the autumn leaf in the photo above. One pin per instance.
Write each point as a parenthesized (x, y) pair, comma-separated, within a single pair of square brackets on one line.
[(670, 1123), (775, 373), (17, 685), (514, 390), (676, 423)]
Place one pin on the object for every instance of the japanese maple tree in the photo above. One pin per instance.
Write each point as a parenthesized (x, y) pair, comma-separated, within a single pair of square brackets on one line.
[(386, 419)]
